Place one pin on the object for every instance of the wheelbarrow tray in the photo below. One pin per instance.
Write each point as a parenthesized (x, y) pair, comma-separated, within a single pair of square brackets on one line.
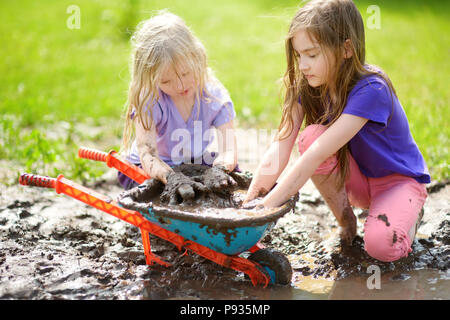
[(227, 230)]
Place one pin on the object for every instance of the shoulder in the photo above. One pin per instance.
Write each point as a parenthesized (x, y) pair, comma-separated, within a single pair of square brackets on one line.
[(372, 85), (149, 101), (215, 93), (216, 98), (155, 107), (219, 106)]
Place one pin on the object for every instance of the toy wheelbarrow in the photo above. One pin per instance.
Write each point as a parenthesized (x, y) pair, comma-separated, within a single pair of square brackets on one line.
[(219, 238)]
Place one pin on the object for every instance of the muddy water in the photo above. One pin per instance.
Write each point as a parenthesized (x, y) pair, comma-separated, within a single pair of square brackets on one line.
[(327, 268), (54, 247)]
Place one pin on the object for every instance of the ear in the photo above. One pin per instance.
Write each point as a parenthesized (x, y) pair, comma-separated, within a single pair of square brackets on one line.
[(348, 49)]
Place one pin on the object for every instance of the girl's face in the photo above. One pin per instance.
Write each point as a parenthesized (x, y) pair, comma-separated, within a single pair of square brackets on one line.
[(181, 85), (312, 60)]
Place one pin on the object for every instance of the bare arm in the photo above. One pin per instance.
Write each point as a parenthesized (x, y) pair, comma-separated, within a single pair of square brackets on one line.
[(227, 147), (336, 136), (148, 152), (274, 161)]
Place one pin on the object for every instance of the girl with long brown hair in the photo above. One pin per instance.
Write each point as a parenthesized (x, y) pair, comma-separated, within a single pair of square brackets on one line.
[(356, 145)]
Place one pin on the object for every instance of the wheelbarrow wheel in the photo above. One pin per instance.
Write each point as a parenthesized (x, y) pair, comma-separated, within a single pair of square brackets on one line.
[(275, 264)]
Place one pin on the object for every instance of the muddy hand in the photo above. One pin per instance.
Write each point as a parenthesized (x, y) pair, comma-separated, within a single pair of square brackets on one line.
[(146, 191), (216, 179), (157, 169), (253, 204), (186, 191), (243, 179), (180, 186)]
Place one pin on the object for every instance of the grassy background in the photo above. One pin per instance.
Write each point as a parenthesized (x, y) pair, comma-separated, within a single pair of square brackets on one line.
[(65, 87)]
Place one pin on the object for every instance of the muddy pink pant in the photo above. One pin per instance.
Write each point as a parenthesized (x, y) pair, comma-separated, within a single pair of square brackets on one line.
[(394, 203)]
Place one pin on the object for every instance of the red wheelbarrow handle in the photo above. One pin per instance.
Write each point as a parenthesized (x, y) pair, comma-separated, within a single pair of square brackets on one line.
[(113, 160), (96, 200), (106, 204), (37, 181), (84, 194), (92, 154)]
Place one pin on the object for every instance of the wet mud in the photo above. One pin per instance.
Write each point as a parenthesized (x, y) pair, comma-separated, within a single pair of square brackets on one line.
[(312, 230), (203, 195), (55, 247), (199, 185)]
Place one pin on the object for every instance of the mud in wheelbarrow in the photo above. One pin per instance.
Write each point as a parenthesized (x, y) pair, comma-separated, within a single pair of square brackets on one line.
[(229, 230), (218, 234)]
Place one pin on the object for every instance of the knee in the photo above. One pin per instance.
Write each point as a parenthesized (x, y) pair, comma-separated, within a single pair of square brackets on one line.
[(309, 135), (386, 244)]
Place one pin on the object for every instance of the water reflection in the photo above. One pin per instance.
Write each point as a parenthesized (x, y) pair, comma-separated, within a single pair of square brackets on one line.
[(411, 285)]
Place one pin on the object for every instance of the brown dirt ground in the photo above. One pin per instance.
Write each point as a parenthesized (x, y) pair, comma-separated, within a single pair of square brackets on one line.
[(55, 247)]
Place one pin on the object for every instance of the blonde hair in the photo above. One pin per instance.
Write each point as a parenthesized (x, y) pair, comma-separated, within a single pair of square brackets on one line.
[(330, 23), (158, 42)]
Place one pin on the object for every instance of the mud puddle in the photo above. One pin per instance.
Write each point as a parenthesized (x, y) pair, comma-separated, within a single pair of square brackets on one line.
[(322, 266), (55, 247)]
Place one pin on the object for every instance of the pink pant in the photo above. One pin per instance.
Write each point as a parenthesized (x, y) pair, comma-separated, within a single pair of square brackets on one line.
[(394, 203)]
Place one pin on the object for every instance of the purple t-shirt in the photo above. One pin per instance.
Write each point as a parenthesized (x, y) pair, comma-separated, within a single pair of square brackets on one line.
[(179, 141), (384, 145)]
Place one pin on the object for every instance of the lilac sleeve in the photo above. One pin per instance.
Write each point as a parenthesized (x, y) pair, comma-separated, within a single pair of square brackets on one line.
[(156, 112), (225, 114)]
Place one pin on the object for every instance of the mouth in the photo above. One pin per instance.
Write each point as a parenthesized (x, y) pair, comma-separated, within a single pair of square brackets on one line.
[(308, 76), (185, 92)]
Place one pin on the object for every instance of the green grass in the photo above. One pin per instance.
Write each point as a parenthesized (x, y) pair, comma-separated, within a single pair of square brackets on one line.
[(56, 81)]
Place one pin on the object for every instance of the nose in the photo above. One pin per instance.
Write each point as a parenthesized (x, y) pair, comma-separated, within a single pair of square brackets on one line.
[(179, 84), (303, 65)]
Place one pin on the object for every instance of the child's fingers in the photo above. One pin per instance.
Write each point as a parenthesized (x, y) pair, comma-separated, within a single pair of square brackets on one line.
[(163, 179), (253, 204), (249, 197), (221, 184), (186, 191), (199, 187), (246, 200), (231, 181), (173, 199)]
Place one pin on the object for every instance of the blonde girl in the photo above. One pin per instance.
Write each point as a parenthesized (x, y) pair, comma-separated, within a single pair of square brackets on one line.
[(356, 147), (174, 102)]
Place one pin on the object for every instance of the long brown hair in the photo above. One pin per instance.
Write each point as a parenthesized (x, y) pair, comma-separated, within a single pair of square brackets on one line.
[(330, 23)]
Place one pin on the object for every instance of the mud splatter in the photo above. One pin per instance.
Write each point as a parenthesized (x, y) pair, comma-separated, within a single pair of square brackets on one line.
[(384, 218)]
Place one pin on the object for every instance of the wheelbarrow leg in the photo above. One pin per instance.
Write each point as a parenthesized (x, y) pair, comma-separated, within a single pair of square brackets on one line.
[(234, 262), (256, 247), (151, 258)]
